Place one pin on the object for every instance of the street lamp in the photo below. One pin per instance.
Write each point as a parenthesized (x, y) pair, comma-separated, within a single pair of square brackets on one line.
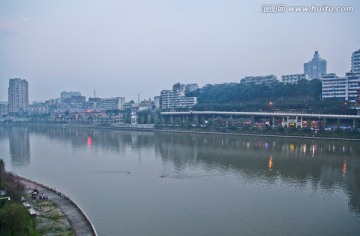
[(270, 104)]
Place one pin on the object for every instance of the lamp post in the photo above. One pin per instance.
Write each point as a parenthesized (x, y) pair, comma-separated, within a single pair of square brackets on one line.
[(270, 104)]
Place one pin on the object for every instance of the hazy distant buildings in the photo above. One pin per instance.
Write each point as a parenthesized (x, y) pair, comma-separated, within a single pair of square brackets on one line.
[(157, 102), (187, 102), (175, 98), (355, 62), (185, 88), (65, 95), (39, 108), (179, 88), (116, 103), (190, 88), (316, 67), (146, 105), (18, 96), (267, 79), (293, 79), (3, 108)]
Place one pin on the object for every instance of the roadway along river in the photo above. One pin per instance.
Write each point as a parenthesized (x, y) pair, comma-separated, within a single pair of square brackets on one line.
[(143, 183)]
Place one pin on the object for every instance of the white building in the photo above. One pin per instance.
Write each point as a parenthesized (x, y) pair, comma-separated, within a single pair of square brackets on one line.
[(169, 99), (175, 98), (316, 67), (266, 79), (187, 102), (355, 62), (293, 79), (18, 96), (353, 81), (344, 88), (116, 103)]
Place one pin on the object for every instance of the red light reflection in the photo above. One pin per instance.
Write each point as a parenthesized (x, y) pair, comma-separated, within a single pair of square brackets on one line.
[(89, 141)]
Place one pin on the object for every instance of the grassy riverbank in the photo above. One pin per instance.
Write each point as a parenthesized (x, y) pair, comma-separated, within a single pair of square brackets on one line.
[(15, 218)]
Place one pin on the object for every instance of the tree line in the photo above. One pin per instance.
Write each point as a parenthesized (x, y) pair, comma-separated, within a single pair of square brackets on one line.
[(305, 96)]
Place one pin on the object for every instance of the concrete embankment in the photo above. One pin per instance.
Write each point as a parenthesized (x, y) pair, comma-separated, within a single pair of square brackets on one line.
[(256, 135), (77, 218), (193, 131)]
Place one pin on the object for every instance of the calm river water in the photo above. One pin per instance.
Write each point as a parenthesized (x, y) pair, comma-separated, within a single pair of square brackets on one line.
[(143, 183)]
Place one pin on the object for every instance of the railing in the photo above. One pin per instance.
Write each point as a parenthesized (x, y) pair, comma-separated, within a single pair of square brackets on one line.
[(282, 114)]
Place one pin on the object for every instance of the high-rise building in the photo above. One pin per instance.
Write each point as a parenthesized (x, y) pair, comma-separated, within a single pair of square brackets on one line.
[(18, 96), (169, 99), (316, 67), (355, 62)]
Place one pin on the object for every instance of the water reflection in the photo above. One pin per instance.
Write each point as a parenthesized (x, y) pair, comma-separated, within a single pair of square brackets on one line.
[(270, 165), (95, 138), (322, 164), (19, 141), (89, 141)]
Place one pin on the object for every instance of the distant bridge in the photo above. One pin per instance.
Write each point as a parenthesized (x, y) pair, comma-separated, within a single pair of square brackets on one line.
[(287, 118), (268, 114)]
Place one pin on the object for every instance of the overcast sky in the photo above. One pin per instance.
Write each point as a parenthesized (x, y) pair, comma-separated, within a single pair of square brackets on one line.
[(126, 47)]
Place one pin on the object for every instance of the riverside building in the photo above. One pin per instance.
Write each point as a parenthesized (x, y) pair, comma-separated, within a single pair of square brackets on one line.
[(18, 96), (267, 79), (175, 98), (293, 79), (343, 88)]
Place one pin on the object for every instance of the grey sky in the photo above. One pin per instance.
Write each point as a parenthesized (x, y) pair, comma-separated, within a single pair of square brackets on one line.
[(122, 48)]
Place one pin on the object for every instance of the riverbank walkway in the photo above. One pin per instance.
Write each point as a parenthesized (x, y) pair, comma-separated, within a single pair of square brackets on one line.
[(79, 222)]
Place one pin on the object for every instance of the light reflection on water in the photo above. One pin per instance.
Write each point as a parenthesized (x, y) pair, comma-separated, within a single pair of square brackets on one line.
[(142, 183)]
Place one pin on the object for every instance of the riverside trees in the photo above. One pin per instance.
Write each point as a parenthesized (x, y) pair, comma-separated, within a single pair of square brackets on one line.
[(14, 218), (304, 96)]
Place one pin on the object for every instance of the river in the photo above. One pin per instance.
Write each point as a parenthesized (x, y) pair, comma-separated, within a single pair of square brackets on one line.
[(145, 183)]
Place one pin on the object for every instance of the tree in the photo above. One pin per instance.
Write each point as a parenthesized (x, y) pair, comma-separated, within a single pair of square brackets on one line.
[(2, 173), (13, 187), (15, 221)]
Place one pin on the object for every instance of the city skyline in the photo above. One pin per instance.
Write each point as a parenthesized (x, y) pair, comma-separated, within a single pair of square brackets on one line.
[(123, 48)]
